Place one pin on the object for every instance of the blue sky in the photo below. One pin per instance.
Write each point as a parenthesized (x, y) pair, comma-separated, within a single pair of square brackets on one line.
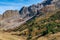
[(16, 4)]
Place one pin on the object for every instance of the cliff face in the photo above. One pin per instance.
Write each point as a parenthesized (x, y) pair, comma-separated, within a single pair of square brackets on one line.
[(30, 11), (10, 13), (58, 4), (10, 19), (33, 9)]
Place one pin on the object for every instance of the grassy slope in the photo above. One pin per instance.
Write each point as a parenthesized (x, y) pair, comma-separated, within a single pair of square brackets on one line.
[(46, 26), (39, 25), (50, 23), (8, 36), (35, 28)]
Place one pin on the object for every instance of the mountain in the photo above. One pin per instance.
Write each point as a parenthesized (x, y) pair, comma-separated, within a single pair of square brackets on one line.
[(44, 22), (10, 19), (33, 9), (34, 22), (40, 26), (15, 18), (27, 12), (10, 13)]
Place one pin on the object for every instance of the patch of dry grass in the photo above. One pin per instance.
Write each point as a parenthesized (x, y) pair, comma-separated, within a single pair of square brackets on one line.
[(8, 36)]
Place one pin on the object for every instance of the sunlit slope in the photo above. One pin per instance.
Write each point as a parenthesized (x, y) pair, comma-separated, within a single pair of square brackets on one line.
[(40, 25), (8, 36)]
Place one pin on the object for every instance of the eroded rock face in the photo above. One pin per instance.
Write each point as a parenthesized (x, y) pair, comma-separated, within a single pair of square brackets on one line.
[(48, 8), (32, 10), (47, 2), (10, 19), (58, 4), (10, 13)]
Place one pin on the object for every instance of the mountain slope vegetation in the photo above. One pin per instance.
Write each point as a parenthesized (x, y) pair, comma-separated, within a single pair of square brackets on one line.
[(40, 25)]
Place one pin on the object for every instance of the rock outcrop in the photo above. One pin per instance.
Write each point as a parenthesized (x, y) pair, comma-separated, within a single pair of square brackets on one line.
[(33, 9), (10, 19), (10, 13)]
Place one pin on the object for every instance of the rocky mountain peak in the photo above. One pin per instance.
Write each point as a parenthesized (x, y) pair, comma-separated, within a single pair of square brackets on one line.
[(30, 11)]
